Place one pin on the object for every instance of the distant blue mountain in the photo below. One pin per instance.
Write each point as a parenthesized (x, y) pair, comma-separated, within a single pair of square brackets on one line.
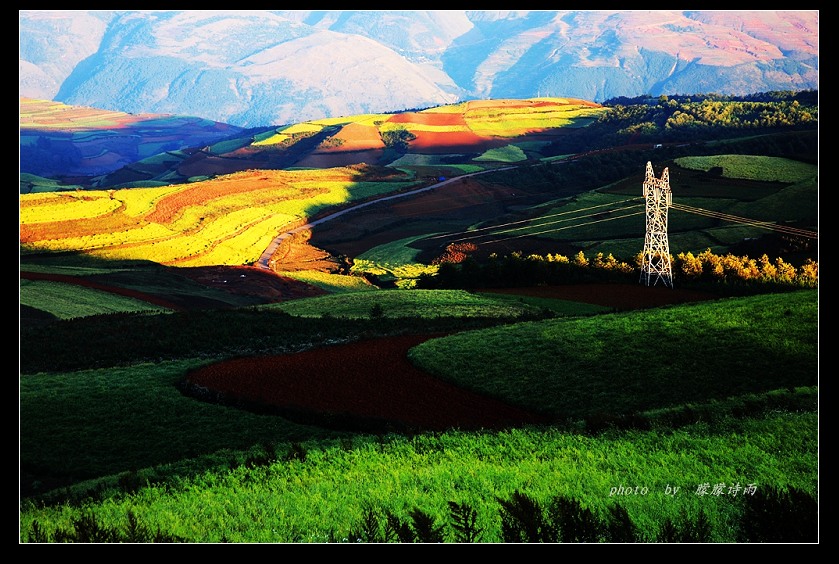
[(255, 68)]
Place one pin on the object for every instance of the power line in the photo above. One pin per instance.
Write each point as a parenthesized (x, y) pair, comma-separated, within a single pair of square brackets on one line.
[(562, 228), (751, 222), (494, 228)]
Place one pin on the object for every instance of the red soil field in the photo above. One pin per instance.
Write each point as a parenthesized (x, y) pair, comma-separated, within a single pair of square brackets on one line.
[(252, 281), (443, 142), (356, 137), (372, 384), (428, 118), (369, 384), (335, 159)]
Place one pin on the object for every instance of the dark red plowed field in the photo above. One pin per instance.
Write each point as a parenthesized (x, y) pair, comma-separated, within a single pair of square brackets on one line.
[(370, 381), (372, 385)]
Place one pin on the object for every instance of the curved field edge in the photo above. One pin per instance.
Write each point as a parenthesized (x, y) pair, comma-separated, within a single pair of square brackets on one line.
[(66, 300), (326, 488), (404, 303), (628, 362)]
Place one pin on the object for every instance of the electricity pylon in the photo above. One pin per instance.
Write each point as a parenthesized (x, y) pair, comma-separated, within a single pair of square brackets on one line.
[(655, 265)]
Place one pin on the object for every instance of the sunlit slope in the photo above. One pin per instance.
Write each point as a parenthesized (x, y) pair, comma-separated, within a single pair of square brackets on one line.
[(117, 150), (67, 301), (48, 114), (459, 126), (469, 127), (229, 220)]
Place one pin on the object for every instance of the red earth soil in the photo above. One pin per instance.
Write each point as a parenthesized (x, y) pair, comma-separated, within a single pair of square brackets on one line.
[(356, 137), (443, 142), (369, 381), (428, 118), (373, 381), (334, 159)]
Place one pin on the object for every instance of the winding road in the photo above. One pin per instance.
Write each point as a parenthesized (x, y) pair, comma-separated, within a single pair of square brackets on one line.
[(264, 260)]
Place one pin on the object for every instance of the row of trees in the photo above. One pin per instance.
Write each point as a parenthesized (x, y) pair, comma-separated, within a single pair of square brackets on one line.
[(670, 114), (729, 267), (692, 119), (458, 269)]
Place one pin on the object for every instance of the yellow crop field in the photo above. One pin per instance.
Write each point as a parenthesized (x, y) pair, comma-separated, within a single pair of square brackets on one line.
[(229, 220), (239, 249), (65, 207), (147, 234), (451, 109), (305, 127), (46, 114), (509, 122), (332, 283), (139, 202), (275, 139)]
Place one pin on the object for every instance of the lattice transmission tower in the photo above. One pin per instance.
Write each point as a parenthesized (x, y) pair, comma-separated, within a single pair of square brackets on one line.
[(655, 265)]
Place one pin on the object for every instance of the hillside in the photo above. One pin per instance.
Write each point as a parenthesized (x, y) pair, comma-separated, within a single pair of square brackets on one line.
[(488, 173), (456, 134), (57, 140)]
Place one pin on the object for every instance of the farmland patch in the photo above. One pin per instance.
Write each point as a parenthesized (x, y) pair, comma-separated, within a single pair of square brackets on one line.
[(370, 385)]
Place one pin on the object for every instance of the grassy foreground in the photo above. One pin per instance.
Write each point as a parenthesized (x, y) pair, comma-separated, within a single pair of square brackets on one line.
[(742, 414), (324, 493)]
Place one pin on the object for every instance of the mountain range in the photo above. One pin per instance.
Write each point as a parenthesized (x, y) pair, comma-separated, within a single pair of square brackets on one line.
[(253, 68)]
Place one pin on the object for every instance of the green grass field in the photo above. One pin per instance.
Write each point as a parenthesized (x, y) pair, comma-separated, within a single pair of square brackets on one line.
[(627, 362), (31, 183), (506, 154), (326, 496), (192, 469), (753, 167), (67, 301), (410, 303)]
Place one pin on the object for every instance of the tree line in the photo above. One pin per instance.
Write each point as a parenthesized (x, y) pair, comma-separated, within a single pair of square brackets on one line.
[(693, 118), (461, 270)]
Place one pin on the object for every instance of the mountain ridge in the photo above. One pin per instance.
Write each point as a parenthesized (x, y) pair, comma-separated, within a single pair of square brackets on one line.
[(259, 68)]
